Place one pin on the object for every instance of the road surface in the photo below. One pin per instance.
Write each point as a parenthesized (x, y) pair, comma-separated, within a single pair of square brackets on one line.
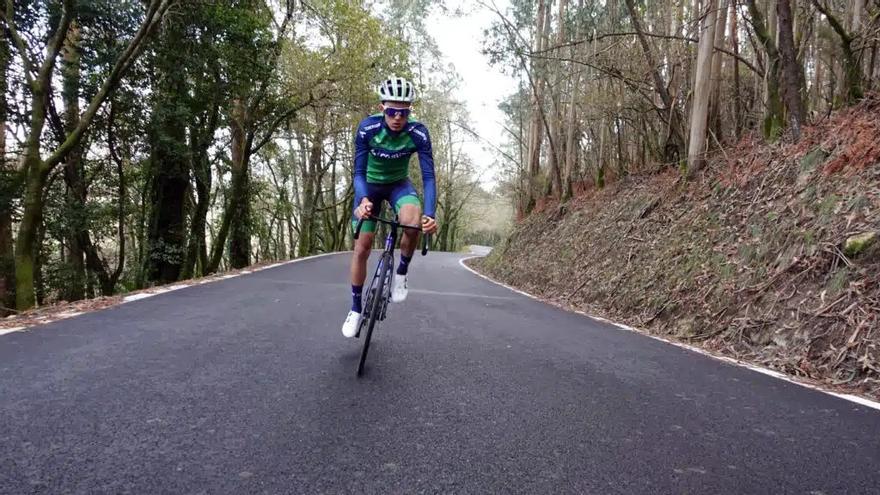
[(246, 385)]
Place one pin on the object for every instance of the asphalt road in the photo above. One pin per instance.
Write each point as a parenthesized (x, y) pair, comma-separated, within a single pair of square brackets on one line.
[(247, 386)]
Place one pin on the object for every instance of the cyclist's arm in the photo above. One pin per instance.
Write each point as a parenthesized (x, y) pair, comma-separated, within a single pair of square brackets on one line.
[(426, 163), (361, 149)]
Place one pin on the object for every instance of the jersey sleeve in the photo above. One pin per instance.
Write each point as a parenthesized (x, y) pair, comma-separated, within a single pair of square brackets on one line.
[(426, 163), (361, 149)]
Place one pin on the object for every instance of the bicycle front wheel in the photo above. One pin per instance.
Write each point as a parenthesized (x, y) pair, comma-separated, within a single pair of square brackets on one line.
[(378, 302)]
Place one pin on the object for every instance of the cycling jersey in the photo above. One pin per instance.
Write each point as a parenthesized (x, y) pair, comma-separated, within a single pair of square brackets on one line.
[(382, 157)]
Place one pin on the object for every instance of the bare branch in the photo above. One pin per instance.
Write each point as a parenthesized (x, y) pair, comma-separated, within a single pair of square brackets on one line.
[(55, 44), (252, 149), (155, 12), (20, 43), (834, 21), (600, 37)]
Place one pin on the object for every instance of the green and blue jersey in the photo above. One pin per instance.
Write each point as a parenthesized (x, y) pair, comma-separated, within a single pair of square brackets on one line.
[(382, 157)]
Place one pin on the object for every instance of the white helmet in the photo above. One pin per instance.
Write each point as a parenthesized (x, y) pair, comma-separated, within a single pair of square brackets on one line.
[(396, 89)]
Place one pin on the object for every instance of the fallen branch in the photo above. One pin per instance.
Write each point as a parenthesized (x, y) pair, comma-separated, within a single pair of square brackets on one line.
[(824, 310)]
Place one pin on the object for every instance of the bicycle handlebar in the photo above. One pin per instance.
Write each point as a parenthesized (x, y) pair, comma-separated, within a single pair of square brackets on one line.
[(426, 240)]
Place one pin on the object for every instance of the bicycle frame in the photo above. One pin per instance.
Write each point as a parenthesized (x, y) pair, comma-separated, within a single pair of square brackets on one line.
[(376, 304), (390, 243)]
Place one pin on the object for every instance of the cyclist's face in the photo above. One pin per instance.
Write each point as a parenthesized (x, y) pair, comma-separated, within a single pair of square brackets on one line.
[(396, 120)]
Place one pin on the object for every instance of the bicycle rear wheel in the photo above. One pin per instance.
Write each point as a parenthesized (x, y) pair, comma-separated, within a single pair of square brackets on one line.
[(379, 300)]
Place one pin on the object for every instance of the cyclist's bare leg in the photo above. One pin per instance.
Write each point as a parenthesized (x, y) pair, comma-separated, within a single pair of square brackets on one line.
[(362, 248), (409, 214), (358, 275)]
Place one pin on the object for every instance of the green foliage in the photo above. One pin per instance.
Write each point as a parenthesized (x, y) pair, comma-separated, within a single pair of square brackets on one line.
[(828, 205), (165, 130), (839, 281)]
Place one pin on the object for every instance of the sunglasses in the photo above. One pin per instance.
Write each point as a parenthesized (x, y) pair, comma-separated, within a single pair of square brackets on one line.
[(395, 112)]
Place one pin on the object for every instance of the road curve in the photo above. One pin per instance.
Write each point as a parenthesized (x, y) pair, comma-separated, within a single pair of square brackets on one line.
[(246, 385)]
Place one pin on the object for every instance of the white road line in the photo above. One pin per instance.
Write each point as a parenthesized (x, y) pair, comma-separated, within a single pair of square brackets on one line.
[(137, 297), (766, 371)]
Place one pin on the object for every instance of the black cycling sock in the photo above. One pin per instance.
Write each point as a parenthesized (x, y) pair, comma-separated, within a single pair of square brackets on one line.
[(403, 267), (356, 292)]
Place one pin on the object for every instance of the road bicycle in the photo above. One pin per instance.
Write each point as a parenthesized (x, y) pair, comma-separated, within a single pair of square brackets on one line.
[(375, 307)]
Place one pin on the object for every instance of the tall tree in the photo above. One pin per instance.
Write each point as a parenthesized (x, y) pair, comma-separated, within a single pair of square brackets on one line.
[(557, 158), (8, 180), (851, 62), (737, 92), (791, 77), (73, 164), (35, 167), (571, 127), (702, 89), (169, 160), (254, 117), (773, 119), (674, 143), (536, 128)]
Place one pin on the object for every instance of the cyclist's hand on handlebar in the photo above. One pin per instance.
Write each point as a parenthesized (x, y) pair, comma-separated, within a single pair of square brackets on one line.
[(429, 225), (365, 209)]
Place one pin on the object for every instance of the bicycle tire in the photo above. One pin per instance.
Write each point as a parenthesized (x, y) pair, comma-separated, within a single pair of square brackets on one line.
[(387, 265)]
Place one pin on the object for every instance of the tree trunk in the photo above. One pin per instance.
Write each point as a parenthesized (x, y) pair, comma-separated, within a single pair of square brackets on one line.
[(239, 205), (109, 284), (311, 186), (219, 241), (77, 223), (702, 86), (715, 103), (196, 254), (571, 130), (858, 8), (772, 21), (331, 211), (673, 142), (817, 96), (291, 245), (737, 92), (536, 129), (167, 233), (872, 65), (8, 180), (773, 118), (791, 81), (39, 264), (32, 218), (557, 152), (622, 157), (571, 134), (170, 164), (851, 62)]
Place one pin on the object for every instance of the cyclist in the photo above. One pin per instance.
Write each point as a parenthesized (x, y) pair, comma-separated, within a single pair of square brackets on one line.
[(384, 143)]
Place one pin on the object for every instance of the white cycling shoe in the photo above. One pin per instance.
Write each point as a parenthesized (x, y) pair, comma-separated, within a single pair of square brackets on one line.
[(398, 288), (352, 322)]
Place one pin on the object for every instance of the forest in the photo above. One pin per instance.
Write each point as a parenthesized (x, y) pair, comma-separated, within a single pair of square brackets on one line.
[(151, 142), (613, 88)]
